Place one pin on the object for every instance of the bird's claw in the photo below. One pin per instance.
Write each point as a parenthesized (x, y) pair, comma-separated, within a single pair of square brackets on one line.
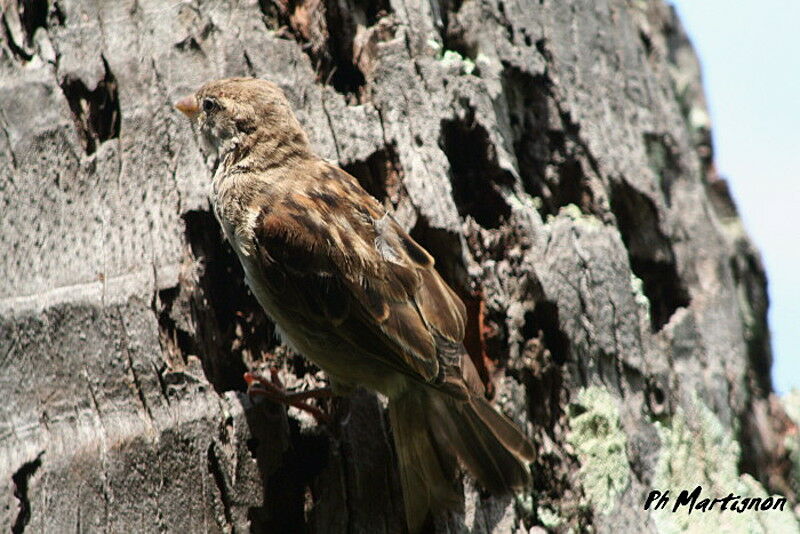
[(273, 390)]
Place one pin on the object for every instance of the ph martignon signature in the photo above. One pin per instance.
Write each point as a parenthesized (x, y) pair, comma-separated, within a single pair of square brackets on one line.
[(659, 500)]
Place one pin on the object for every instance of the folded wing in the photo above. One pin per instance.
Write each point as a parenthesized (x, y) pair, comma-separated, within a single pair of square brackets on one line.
[(374, 285)]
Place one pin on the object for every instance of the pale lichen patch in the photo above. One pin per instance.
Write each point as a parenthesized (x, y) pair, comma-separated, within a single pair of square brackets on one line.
[(600, 444), (574, 212), (697, 450)]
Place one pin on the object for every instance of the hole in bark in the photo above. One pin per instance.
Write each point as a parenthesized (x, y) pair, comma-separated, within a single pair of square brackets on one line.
[(476, 333), (17, 49), (543, 382), (647, 43), (663, 162), (380, 174), (285, 489), (495, 335), (338, 65), (176, 341), (35, 14), (454, 38), (474, 172), (453, 34), (541, 47), (252, 446), (656, 396), (553, 471), (326, 32), (32, 15), (188, 44), (543, 323), (219, 480), (650, 253), (572, 188), (21, 479), (96, 113), (529, 113), (527, 39), (445, 247), (232, 329), (663, 288), (373, 10), (551, 160)]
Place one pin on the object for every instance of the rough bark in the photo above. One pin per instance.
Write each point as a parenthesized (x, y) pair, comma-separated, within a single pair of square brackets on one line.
[(555, 157)]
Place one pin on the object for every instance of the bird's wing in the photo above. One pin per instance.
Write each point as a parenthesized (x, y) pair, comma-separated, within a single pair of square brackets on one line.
[(354, 271)]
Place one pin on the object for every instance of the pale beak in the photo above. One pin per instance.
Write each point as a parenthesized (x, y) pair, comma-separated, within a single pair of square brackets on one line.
[(188, 106)]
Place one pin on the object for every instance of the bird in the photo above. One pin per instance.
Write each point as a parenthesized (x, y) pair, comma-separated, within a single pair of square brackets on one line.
[(347, 287)]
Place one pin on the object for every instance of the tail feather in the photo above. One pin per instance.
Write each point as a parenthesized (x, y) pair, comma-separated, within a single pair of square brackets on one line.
[(432, 430), (491, 448), (427, 471), (505, 430)]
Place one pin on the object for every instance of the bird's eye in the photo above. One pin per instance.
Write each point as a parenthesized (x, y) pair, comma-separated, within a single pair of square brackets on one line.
[(208, 105)]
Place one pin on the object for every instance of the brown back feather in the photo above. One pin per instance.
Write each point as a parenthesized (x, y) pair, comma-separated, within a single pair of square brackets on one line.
[(384, 279)]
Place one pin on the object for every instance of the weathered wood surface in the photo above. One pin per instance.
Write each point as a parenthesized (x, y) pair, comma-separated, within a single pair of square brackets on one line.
[(555, 158)]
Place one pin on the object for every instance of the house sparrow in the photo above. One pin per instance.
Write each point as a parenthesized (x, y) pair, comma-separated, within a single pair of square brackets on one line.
[(348, 288)]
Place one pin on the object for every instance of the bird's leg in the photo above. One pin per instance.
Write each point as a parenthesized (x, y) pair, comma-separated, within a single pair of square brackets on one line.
[(274, 391)]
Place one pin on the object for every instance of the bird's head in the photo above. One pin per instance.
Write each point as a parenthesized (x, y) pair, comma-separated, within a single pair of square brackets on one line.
[(236, 113)]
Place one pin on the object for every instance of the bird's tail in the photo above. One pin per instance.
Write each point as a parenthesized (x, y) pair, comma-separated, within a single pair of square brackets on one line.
[(434, 431)]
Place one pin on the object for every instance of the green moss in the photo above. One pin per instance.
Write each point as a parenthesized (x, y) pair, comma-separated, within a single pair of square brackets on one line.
[(696, 449), (467, 66), (549, 518), (435, 46), (574, 212), (600, 443), (451, 55), (699, 119), (637, 288)]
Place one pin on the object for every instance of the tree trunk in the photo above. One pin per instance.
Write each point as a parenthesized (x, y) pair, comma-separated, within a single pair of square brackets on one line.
[(555, 158)]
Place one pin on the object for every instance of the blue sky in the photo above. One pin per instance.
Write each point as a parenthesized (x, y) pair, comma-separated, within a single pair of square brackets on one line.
[(750, 52)]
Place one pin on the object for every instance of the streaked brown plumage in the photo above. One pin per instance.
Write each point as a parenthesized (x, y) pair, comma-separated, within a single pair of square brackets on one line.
[(351, 290)]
